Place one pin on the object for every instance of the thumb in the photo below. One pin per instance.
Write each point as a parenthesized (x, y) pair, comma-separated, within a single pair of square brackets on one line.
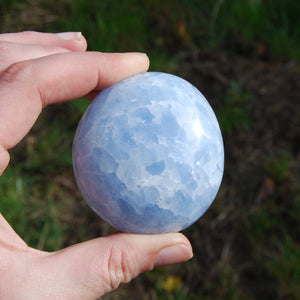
[(91, 269)]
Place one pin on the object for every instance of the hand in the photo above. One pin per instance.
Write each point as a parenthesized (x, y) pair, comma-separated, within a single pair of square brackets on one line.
[(37, 69)]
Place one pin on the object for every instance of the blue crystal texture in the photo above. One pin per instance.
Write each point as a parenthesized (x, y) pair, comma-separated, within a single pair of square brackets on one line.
[(148, 154)]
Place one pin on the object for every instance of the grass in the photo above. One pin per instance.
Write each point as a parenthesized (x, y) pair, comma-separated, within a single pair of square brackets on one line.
[(35, 218), (278, 166), (232, 111), (246, 246), (271, 26)]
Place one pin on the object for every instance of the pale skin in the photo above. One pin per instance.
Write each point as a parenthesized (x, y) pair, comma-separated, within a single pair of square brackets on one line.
[(36, 70)]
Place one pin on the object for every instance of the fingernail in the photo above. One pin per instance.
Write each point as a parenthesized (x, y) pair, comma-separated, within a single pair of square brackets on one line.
[(172, 255), (137, 55), (138, 59), (69, 35)]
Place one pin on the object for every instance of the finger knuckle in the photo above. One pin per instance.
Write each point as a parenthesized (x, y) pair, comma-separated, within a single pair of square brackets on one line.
[(120, 267), (117, 268), (19, 71)]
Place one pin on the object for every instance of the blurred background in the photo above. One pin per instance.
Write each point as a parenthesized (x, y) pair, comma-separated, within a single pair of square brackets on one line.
[(243, 55)]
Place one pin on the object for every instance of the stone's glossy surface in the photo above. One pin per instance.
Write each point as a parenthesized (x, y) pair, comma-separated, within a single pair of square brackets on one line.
[(148, 154)]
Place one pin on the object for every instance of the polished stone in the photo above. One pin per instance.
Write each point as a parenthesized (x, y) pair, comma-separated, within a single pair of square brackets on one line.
[(148, 154)]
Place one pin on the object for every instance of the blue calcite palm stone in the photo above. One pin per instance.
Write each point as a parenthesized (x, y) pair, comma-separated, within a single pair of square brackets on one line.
[(148, 154)]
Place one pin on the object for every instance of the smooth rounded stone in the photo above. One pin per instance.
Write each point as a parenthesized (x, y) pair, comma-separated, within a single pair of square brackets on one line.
[(148, 154)]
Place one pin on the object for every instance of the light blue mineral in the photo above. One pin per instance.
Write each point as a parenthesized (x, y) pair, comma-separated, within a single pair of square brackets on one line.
[(148, 154)]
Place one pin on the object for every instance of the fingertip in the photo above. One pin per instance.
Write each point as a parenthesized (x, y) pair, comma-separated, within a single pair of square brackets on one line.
[(74, 41), (139, 61), (69, 35), (173, 255), (4, 159), (82, 43), (143, 60), (114, 67), (184, 240), (178, 249), (161, 249)]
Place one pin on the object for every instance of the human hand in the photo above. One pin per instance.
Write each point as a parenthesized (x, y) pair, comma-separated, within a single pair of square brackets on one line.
[(37, 69)]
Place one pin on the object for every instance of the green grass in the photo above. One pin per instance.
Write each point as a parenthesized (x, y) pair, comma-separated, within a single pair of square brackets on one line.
[(273, 24), (164, 28), (278, 166), (254, 253), (233, 109), (285, 266), (29, 207)]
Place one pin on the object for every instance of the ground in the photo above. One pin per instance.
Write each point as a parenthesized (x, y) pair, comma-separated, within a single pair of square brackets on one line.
[(247, 244)]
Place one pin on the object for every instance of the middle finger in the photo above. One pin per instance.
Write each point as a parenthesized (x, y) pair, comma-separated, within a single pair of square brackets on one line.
[(11, 53)]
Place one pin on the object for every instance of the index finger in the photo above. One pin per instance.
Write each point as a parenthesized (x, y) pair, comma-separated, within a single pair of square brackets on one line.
[(26, 87)]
